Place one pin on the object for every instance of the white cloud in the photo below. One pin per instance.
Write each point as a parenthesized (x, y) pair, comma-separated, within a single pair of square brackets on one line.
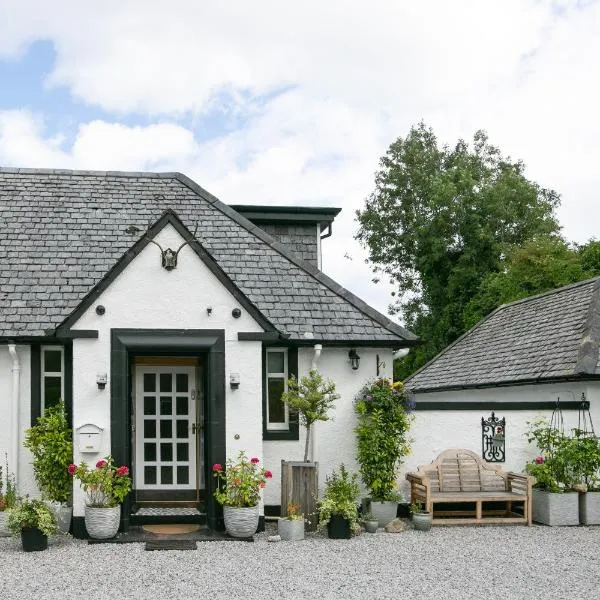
[(356, 76)]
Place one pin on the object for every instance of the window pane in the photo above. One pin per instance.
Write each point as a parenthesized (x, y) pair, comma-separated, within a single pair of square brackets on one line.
[(166, 382), (149, 382), (150, 475), (182, 406), (182, 428), (183, 452), (52, 361), (166, 405), (149, 405), (181, 383), (275, 362), (166, 429), (183, 475), (166, 452), (166, 475), (51, 391), (149, 428), (276, 406), (150, 452)]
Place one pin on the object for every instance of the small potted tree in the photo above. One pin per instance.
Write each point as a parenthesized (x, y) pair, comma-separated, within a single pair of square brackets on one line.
[(291, 527), (383, 410), (311, 398), (34, 521), (338, 509), (8, 496), (50, 442)]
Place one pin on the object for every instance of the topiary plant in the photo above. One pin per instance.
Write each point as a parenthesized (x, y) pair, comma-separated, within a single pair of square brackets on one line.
[(50, 441)]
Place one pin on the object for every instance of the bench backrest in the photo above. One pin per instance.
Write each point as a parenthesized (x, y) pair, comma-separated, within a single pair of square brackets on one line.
[(459, 470)]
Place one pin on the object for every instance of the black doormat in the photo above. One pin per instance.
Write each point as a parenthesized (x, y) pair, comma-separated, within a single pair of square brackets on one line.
[(171, 545)]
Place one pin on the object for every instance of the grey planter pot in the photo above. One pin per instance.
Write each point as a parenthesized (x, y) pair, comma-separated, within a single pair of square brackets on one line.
[(291, 530), (384, 511), (4, 531), (102, 523), (589, 508), (422, 521), (555, 509), (241, 522), (63, 515), (371, 526)]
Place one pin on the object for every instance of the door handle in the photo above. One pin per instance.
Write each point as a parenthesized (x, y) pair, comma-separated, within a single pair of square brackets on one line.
[(196, 428)]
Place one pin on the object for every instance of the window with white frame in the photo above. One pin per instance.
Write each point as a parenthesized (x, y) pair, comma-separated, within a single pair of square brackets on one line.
[(52, 380), (278, 418)]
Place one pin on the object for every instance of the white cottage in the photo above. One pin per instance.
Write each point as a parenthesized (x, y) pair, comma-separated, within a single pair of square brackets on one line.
[(169, 323), (516, 363)]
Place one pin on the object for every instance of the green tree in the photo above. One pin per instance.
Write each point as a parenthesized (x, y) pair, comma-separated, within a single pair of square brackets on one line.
[(439, 220)]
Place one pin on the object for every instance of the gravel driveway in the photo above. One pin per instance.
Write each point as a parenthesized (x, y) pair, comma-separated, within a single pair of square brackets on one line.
[(445, 563)]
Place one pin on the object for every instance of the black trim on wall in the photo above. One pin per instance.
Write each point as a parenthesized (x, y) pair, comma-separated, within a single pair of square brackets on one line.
[(551, 405), (125, 343), (293, 433)]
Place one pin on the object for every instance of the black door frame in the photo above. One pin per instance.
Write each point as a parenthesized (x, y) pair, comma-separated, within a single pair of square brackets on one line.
[(125, 343)]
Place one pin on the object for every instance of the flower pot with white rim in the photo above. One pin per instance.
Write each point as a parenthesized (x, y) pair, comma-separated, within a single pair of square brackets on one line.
[(384, 511), (102, 522), (555, 509), (241, 522), (589, 508), (291, 530)]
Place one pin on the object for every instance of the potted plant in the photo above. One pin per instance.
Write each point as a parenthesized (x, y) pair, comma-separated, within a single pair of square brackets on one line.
[(421, 518), (553, 501), (291, 527), (238, 491), (50, 442), (338, 508), (370, 522), (8, 497), (311, 398), (106, 487), (34, 520), (384, 418)]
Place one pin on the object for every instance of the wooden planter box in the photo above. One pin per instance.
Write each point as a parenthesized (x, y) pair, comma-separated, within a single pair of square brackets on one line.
[(300, 485), (589, 508), (555, 509)]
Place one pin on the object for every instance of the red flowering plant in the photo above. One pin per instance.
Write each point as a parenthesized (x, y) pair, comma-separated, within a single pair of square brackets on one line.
[(106, 485), (239, 484)]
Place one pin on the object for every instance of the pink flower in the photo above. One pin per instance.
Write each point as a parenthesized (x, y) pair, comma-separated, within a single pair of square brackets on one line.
[(71, 469), (217, 467), (122, 471), (539, 460), (254, 460), (262, 484), (100, 463), (268, 474)]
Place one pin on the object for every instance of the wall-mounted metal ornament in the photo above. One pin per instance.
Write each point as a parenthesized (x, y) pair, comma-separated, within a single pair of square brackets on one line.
[(493, 439), (585, 427)]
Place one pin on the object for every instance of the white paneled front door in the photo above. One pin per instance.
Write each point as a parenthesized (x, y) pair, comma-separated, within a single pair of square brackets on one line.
[(166, 427)]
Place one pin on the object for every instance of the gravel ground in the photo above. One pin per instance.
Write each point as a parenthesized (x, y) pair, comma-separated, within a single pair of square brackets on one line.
[(445, 563)]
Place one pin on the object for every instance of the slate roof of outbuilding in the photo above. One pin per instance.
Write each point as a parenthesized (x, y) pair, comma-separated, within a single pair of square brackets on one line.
[(549, 337), (62, 231)]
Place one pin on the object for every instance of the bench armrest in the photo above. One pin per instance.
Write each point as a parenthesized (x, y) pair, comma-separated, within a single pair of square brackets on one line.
[(418, 478), (521, 478)]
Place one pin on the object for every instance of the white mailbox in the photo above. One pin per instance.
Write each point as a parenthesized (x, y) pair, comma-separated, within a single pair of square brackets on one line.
[(90, 438)]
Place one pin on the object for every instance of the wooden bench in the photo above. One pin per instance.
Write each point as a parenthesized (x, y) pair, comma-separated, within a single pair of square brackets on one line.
[(459, 476)]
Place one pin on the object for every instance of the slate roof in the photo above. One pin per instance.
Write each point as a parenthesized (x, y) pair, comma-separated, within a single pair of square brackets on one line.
[(62, 231), (549, 337)]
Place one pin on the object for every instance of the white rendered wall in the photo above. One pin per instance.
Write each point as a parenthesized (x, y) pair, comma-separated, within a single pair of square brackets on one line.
[(147, 296), (334, 440), (24, 476), (438, 430)]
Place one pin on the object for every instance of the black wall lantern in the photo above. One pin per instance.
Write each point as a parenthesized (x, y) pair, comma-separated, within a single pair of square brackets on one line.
[(354, 359)]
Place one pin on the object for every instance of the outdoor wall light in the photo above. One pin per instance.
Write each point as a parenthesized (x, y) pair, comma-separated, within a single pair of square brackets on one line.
[(101, 379), (354, 359), (234, 380)]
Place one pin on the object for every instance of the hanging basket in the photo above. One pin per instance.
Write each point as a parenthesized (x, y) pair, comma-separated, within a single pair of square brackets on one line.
[(102, 523)]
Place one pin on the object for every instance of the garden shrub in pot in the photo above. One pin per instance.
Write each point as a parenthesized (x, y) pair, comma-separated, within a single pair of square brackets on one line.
[(338, 509)]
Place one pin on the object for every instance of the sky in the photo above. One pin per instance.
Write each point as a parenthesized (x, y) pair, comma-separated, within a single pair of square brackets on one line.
[(269, 102)]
